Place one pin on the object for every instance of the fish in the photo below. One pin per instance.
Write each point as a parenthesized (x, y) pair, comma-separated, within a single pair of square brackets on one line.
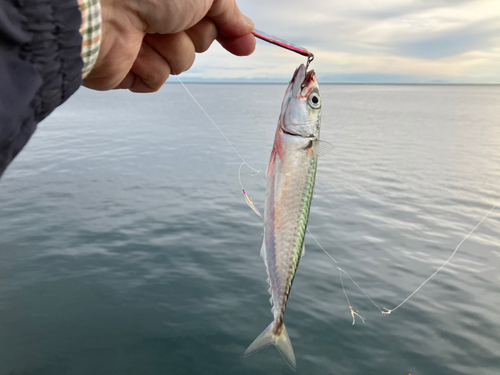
[(291, 176)]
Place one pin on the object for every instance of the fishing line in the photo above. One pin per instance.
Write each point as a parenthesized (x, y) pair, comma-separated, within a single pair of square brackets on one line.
[(210, 118), (244, 162), (342, 283), (322, 248), (220, 131), (353, 313), (389, 311), (384, 311)]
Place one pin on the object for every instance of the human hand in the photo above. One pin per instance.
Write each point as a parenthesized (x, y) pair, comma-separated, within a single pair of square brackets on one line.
[(143, 42)]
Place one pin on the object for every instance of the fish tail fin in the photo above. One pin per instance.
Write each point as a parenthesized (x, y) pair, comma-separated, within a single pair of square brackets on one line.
[(281, 341)]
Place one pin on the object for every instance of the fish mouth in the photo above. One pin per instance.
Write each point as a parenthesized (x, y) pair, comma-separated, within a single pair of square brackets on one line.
[(301, 80), (310, 77)]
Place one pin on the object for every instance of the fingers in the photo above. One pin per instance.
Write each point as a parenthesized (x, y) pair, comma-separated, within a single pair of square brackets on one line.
[(177, 49), (149, 72), (203, 34), (234, 28), (160, 56), (240, 46), (229, 19), (166, 52)]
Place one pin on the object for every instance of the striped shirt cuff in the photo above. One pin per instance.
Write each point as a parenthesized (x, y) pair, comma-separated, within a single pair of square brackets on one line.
[(91, 33)]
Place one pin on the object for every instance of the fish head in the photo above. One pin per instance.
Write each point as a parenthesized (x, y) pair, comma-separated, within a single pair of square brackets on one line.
[(301, 109)]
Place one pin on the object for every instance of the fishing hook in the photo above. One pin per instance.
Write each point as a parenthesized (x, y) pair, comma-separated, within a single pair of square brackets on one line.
[(310, 58)]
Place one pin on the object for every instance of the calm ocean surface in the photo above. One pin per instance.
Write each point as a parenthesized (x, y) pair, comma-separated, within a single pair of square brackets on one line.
[(126, 246)]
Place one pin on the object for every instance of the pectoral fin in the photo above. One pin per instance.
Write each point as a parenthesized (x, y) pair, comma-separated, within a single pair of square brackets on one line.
[(315, 148), (321, 148)]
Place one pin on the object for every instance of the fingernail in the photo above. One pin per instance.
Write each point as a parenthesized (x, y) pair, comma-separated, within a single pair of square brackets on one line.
[(250, 22)]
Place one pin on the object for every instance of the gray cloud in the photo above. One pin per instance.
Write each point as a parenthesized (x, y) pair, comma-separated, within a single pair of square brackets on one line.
[(405, 40), (451, 43), (395, 11)]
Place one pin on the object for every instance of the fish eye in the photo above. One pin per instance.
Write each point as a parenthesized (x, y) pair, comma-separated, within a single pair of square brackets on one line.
[(314, 100)]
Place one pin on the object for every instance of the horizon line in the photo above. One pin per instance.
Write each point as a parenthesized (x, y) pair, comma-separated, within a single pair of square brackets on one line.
[(256, 82)]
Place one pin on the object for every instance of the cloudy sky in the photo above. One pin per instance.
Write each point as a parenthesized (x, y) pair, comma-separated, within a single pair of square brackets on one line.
[(418, 41)]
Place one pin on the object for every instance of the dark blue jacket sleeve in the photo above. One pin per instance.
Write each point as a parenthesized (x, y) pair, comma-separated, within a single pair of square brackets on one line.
[(40, 66)]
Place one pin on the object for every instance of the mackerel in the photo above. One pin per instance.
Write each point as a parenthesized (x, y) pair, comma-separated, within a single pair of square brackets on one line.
[(291, 176)]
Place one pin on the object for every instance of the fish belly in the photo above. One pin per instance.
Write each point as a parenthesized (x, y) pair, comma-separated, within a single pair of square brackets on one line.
[(289, 191)]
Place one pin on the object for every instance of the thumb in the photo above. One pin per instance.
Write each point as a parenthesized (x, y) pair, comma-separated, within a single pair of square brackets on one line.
[(229, 19)]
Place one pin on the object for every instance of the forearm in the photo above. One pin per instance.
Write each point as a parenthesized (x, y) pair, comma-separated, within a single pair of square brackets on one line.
[(40, 66)]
